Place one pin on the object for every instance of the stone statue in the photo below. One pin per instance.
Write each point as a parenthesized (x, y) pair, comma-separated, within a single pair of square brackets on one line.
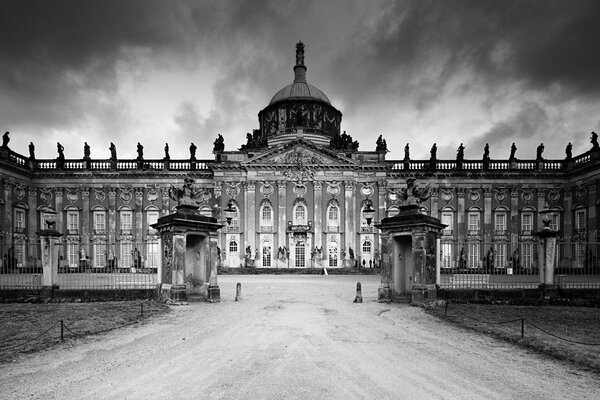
[(540, 150), (186, 195), (342, 253), (193, 151), (140, 151), (433, 152), (486, 152), (299, 53), (515, 259), (113, 152), (5, 140), (31, 151), (513, 150), (86, 151), (460, 153), (490, 258), (219, 144), (412, 194), (380, 144), (167, 156), (593, 141), (462, 261), (569, 152), (60, 149), (406, 152)]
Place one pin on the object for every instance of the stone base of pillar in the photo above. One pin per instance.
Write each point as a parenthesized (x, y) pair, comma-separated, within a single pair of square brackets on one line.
[(421, 294), (384, 294), (169, 292), (214, 294)]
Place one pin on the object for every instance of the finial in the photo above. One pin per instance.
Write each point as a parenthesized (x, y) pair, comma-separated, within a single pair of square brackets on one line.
[(299, 53)]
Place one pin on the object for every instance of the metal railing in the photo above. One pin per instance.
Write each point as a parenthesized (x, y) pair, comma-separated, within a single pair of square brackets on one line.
[(505, 264), (128, 265)]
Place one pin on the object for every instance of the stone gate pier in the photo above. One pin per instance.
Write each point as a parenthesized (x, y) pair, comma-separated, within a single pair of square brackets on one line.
[(410, 245), (189, 250)]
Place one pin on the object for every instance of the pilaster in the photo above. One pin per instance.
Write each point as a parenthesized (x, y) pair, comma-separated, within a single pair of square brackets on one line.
[(515, 226), (350, 219), (282, 217), (85, 219), (112, 218), (250, 220), (32, 222), (591, 214), (139, 214), (460, 217), (487, 214), (318, 214), (58, 196)]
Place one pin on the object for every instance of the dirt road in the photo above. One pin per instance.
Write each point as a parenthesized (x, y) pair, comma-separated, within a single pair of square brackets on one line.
[(293, 337)]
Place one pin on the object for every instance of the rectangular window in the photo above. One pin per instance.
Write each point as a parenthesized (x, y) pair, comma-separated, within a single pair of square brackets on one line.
[(99, 222), (473, 260), (527, 255), (126, 222), (266, 256), (266, 220), (446, 255), (500, 255), (19, 219), (526, 224), (580, 220), (447, 219), (152, 254), (554, 221), (73, 222), (73, 254), (333, 256), (151, 218), (126, 249), (473, 223), (100, 255), (300, 255), (500, 224)]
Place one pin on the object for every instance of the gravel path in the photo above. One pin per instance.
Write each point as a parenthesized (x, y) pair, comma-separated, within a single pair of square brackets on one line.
[(293, 337)]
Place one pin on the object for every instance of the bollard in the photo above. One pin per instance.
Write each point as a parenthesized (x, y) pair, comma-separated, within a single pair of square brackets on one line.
[(62, 331), (358, 298), (142, 310), (238, 292)]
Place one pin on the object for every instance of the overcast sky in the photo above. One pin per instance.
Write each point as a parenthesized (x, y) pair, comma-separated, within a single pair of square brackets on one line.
[(418, 72)]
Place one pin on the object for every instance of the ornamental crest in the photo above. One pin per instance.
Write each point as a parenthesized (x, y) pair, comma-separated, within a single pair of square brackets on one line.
[(474, 195), (152, 195), (46, 194), (580, 192), (300, 190), (266, 189), (72, 195), (554, 195), (299, 168), (447, 195), (333, 189), (126, 194), (500, 194), (19, 191), (233, 189), (527, 196), (99, 195), (367, 190)]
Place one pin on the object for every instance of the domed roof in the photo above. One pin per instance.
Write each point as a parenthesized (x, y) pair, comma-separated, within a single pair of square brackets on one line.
[(300, 89)]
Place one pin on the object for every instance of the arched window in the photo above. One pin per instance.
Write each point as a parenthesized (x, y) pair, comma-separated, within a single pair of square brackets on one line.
[(300, 254), (366, 247), (266, 217), (233, 246), (235, 220), (206, 211), (300, 214)]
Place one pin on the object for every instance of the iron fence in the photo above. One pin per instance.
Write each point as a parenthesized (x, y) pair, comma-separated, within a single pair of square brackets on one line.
[(125, 265), (506, 264)]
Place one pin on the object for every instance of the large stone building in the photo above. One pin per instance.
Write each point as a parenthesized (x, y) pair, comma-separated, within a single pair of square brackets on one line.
[(299, 188)]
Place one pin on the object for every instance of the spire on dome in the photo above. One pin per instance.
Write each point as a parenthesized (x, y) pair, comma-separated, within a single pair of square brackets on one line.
[(300, 68)]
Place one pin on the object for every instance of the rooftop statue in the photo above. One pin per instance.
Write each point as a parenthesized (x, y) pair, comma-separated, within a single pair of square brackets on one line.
[(31, 151), (486, 152), (433, 152), (5, 139), (460, 153), (219, 144), (60, 149), (569, 152), (86, 151), (140, 151), (167, 156), (113, 152), (540, 150), (513, 150), (593, 141), (406, 152), (380, 144), (193, 151)]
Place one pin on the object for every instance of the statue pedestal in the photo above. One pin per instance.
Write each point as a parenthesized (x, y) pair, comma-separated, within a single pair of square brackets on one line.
[(423, 293), (384, 294)]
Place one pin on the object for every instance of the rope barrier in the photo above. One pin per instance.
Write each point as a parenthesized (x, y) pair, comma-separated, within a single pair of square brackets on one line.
[(523, 320), (63, 327)]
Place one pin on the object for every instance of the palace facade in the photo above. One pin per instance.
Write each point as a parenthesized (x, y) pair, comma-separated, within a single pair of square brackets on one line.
[(299, 187)]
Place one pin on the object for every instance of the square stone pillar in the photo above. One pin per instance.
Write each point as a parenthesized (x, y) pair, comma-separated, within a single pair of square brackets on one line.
[(48, 243)]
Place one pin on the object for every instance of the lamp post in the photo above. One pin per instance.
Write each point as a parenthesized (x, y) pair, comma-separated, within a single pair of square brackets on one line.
[(369, 212), (229, 212)]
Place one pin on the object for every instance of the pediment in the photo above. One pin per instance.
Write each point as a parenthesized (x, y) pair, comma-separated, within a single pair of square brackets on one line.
[(299, 152)]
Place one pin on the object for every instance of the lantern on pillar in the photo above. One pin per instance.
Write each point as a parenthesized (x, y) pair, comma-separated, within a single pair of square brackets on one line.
[(369, 212), (229, 212)]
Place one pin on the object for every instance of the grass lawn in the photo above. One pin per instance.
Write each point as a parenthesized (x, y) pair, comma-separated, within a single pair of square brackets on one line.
[(28, 328), (563, 332)]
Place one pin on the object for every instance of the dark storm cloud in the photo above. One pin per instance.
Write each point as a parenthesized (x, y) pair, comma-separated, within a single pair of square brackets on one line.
[(417, 46)]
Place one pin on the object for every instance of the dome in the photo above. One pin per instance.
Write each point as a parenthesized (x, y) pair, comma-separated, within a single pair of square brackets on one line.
[(300, 89)]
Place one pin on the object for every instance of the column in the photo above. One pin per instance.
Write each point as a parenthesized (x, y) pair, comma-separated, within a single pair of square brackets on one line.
[(58, 195), (8, 209), (487, 215), (85, 220), (111, 224), (515, 225), (214, 292), (349, 217), (282, 217), (250, 220), (460, 215), (318, 213), (591, 214), (49, 248)]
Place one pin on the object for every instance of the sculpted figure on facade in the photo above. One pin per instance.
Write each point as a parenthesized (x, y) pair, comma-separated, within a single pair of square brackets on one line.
[(219, 144), (86, 151), (540, 150), (31, 151), (185, 195), (412, 194), (406, 152), (513, 150), (113, 152), (193, 151), (140, 151), (593, 141), (5, 140), (167, 156), (569, 152)]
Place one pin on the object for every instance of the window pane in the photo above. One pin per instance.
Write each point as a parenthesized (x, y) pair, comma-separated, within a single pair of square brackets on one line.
[(300, 255)]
